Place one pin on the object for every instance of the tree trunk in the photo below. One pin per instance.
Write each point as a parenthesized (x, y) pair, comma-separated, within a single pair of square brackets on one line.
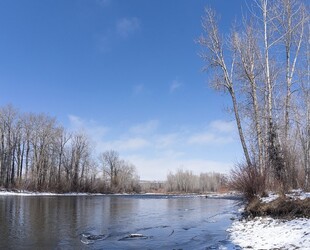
[(238, 121)]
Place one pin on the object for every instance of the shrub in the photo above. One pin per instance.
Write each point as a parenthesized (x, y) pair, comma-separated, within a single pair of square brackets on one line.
[(247, 180)]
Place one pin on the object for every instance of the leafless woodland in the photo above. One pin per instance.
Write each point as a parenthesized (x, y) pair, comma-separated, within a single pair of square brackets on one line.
[(38, 154), (263, 64)]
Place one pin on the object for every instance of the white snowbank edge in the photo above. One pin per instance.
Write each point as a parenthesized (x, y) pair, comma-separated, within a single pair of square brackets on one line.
[(269, 233)]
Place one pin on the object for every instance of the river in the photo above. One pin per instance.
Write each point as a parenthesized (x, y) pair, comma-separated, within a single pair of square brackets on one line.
[(115, 222)]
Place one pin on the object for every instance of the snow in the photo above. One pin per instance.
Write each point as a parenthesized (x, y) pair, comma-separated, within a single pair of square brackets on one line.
[(299, 194), (294, 194), (271, 197), (269, 233), (27, 193), (223, 195)]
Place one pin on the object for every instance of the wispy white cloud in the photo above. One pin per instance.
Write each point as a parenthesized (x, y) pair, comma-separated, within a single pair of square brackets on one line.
[(127, 144), (145, 128), (210, 139), (141, 135), (168, 140), (158, 168), (76, 122), (223, 126), (127, 26), (175, 85), (123, 28), (91, 128), (218, 132), (155, 152)]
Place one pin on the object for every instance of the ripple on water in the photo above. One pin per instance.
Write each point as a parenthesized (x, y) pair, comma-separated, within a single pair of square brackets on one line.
[(88, 238), (135, 236)]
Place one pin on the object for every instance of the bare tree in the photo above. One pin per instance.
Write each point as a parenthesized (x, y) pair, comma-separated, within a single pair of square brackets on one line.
[(302, 113), (292, 20), (79, 154), (187, 182), (111, 164), (264, 72), (36, 153), (62, 139), (306, 142), (224, 76), (122, 175), (8, 119), (128, 179), (249, 69)]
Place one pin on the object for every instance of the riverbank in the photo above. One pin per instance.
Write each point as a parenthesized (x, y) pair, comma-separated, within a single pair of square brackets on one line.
[(290, 230), (212, 195), (28, 193)]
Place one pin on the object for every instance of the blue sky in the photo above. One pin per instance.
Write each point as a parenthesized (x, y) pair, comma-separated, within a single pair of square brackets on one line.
[(126, 72)]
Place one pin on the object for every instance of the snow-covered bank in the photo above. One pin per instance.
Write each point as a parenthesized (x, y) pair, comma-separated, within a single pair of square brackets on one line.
[(269, 233), (171, 195)]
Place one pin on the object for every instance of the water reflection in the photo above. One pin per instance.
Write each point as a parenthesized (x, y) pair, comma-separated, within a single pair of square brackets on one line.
[(112, 222)]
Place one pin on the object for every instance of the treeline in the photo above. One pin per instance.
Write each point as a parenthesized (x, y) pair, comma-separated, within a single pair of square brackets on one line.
[(38, 154), (264, 66), (184, 181)]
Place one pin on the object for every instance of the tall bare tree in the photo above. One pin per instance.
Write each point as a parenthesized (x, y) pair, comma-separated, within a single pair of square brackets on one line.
[(213, 55), (62, 139), (249, 70), (264, 72)]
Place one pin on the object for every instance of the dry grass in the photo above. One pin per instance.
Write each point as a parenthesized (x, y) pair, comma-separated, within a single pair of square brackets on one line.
[(286, 208)]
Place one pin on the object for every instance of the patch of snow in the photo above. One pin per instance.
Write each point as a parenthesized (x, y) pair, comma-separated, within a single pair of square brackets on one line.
[(298, 193), (215, 194), (27, 193), (271, 197), (268, 233), (222, 195), (241, 209), (294, 194)]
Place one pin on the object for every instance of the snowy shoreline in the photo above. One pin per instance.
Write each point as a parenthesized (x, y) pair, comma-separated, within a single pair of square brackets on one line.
[(269, 233), (214, 195), (28, 193)]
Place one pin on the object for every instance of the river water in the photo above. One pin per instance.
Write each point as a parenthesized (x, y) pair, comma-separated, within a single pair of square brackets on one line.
[(115, 222)]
